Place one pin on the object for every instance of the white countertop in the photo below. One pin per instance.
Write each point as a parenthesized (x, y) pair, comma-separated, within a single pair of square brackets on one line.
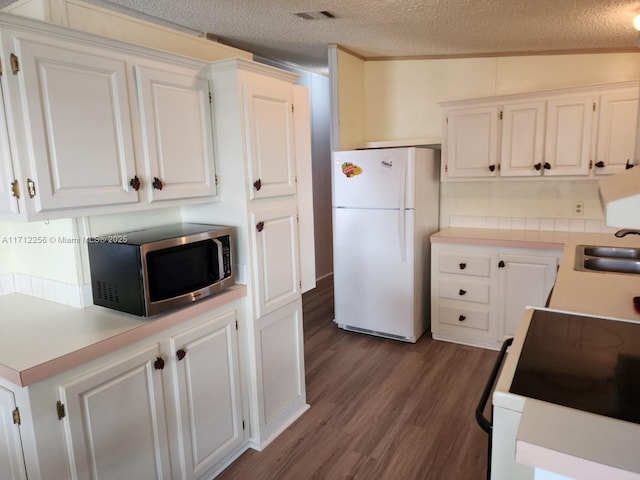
[(566, 441), (41, 338)]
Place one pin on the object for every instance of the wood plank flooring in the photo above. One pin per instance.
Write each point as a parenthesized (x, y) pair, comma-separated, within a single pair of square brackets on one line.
[(380, 409)]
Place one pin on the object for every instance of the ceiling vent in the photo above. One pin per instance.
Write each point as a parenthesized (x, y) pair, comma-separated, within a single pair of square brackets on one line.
[(323, 14)]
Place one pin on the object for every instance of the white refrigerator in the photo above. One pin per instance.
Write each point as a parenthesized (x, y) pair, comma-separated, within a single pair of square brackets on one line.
[(385, 207)]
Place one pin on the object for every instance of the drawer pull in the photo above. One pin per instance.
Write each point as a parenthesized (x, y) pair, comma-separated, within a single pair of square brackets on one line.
[(462, 318), (461, 292), (501, 264), (181, 354), (159, 363), (463, 266)]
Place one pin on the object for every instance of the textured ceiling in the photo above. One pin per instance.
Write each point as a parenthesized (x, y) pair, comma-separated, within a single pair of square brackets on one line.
[(384, 28)]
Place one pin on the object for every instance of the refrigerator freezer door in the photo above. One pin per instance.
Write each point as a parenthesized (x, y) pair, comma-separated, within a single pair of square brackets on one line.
[(373, 284), (374, 178)]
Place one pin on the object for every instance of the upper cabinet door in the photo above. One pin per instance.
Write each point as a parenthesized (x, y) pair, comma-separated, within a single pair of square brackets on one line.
[(8, 196), (522, 139), (270, 138), (568, 135), (617, 127), (70, 107), (175, 111), (470, 143)]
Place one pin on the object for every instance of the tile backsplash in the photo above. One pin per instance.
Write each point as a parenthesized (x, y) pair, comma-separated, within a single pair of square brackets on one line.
[(529, 223), (78, 296)]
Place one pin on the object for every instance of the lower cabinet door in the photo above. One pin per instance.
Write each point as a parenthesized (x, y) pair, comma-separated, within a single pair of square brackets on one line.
[(11, 456), (208, 395), (115, 420)]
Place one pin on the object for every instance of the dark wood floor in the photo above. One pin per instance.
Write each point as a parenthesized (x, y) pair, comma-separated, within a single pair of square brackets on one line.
[(380, 409)]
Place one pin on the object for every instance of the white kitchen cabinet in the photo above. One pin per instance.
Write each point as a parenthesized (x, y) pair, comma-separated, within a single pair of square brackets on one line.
[(177, 133), (69, 105), (115, 420), (523, 280), (207, 395), (8, 184), (522, 145), (470, 142), (617, 127), (11, 456), (478, 293), (269, 123), (99, 126), (569, 125)]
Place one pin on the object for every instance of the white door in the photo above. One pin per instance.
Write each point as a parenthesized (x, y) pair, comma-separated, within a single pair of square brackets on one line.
[(115, 420), (373, 270), (75, 132), (522, 139), (374, 178), (275, 243), (470, 143), (8, 200), (208, 392), (617, 127), (523, 280), (268, 111), (175, 112), (568, 135), (11, 456)]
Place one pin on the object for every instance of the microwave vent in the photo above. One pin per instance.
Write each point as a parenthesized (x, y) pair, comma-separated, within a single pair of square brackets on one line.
[(108, 291)]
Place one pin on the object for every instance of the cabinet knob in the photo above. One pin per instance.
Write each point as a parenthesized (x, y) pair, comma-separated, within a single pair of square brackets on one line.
[(492, 167), (501, 264), (462, 318), (600, 164), (628, 165), (538, 166), (463, 266), (462, 292), (159, 363), (135, 183), (181, 354), (547, 166), (157, 183), (257, 184), (260, 226)]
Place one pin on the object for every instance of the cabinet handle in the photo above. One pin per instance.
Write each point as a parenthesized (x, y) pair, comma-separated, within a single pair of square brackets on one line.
[(538, 166), (260, 226), (157, 183), (628, 165), (492, 167), (257, 184), (159, 363), (135, 183), (600, 164), (501, 264), (31, 188), (181, 354), (462, 318), (547, 166), (461, 292), (463, 266)]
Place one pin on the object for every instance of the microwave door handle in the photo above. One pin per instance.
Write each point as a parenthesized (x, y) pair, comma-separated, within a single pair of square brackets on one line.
[(220, 259)]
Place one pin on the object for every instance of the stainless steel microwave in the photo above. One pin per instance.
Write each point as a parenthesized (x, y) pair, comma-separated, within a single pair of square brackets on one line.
[(148, 271)]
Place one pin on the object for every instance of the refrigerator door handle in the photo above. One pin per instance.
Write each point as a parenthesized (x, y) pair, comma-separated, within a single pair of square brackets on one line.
[(403, 214)]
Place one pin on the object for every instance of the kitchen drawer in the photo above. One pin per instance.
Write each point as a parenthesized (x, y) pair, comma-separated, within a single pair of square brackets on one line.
[(465, 291), (465, 265), (461, 317)]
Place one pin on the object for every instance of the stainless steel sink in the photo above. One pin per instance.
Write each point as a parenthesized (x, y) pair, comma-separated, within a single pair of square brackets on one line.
[(607, 259)]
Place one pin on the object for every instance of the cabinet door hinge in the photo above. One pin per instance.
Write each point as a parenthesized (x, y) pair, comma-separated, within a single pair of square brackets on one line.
[(16, 416), (60, 410), (590, 164), (297, 218), (216, 179), (446, 168), (210, 97), (15, 65), (292, 108), (15, 189), (242, 424), (236, 324), (501, 114), (446, 120), (594, 106), (0, 68)]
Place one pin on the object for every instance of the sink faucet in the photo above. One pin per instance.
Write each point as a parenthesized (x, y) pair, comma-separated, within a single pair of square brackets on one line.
[(626, 231)]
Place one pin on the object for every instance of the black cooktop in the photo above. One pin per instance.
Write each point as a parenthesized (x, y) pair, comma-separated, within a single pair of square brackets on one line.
[(587, 363)]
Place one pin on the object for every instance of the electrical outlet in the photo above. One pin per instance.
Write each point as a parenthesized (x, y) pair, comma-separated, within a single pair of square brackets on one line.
[(578, 208)]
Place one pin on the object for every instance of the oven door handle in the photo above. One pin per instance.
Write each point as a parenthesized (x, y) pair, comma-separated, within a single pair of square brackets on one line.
[(485, 423)]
